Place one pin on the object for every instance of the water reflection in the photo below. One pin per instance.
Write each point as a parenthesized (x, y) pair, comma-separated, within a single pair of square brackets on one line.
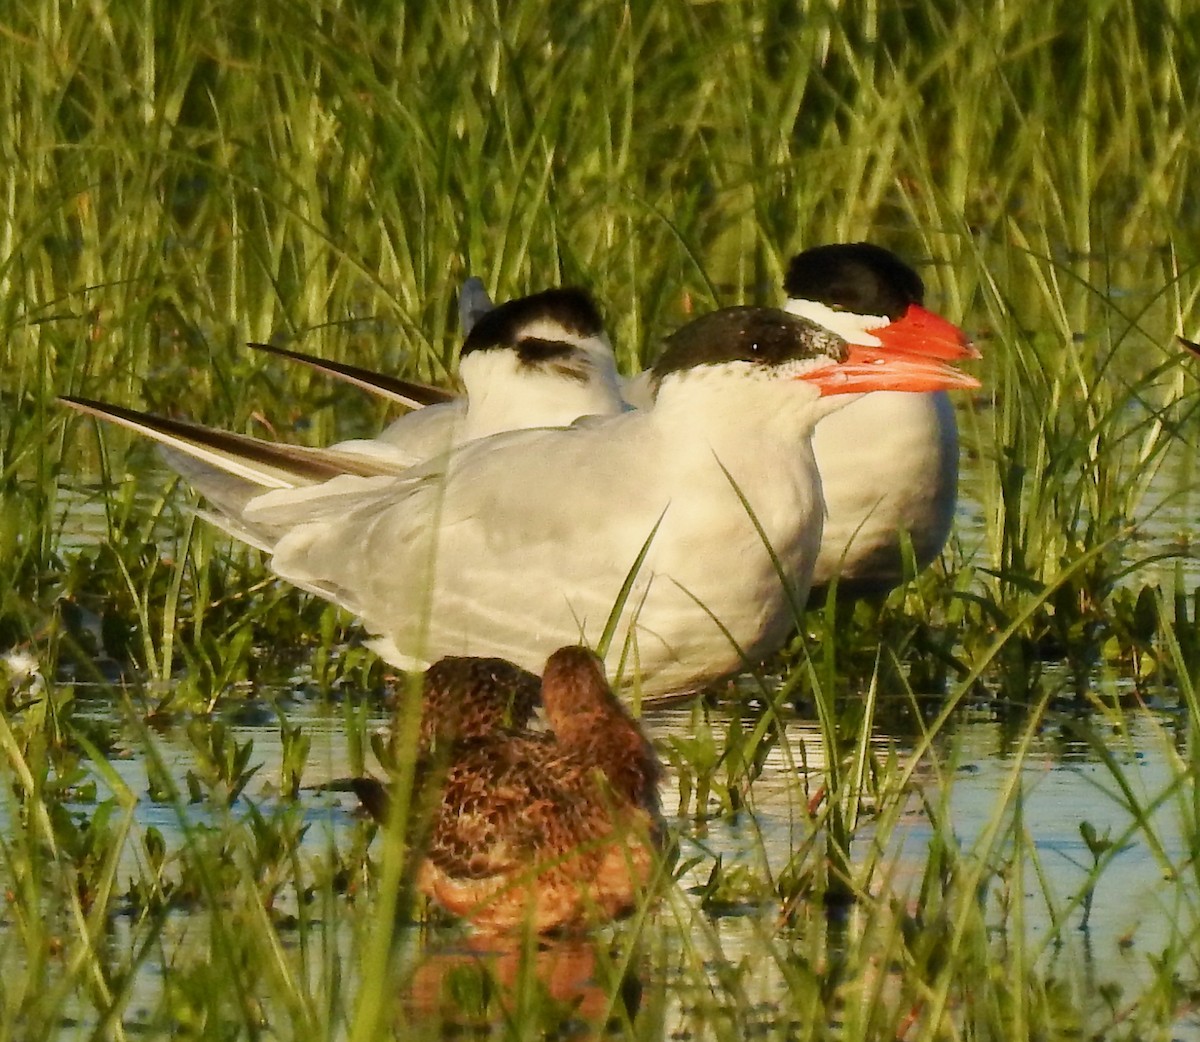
[(576, 987)]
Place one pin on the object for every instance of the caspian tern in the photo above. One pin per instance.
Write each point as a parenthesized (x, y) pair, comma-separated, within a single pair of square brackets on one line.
[(547, 829), (519, 543), (888, 461)]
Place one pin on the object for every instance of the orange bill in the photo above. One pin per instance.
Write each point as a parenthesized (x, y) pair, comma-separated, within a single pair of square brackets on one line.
[(878, 369), (920, 331)]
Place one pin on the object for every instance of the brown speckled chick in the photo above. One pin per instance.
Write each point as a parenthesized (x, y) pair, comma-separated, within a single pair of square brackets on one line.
[(558, 830)]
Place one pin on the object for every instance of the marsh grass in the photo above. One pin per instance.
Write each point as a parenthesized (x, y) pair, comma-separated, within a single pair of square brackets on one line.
[(178, 180)]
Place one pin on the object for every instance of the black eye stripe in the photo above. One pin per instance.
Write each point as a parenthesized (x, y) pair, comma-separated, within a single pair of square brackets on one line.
[(534, 349)]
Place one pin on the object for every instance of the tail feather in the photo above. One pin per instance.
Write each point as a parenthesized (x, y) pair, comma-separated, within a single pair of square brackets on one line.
[(232, 469), (265, 463)]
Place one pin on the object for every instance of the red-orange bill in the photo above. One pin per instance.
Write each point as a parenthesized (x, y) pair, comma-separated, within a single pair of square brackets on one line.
[(920, 331), (879, 369)]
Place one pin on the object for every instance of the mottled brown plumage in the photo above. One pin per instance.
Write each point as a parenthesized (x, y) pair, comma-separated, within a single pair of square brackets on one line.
[(558, 830), (465, 697)]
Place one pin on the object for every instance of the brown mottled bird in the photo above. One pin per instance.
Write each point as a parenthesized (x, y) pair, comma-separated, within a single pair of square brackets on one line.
[(470, 697), (559, 829)]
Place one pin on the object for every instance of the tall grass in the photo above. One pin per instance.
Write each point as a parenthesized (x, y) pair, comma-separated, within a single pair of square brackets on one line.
[(177, 180), (328, 174)]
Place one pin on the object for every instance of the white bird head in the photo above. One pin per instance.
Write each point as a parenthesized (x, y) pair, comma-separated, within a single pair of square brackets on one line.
[(545, 356), (773, 344)]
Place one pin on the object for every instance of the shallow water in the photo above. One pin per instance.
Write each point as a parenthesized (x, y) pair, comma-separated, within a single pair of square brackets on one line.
[(1061, 780)]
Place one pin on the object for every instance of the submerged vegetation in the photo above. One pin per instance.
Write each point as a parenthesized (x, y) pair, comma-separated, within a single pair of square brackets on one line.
[(180, 179)]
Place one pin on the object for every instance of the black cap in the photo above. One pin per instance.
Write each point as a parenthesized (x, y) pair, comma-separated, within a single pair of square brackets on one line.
[(504, 325), (859, 277), (748, 334)]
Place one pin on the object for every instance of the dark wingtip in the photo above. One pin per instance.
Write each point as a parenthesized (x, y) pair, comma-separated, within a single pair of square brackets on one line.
[(473, 303), (1189, 345), (91, 406), (407, 392)]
